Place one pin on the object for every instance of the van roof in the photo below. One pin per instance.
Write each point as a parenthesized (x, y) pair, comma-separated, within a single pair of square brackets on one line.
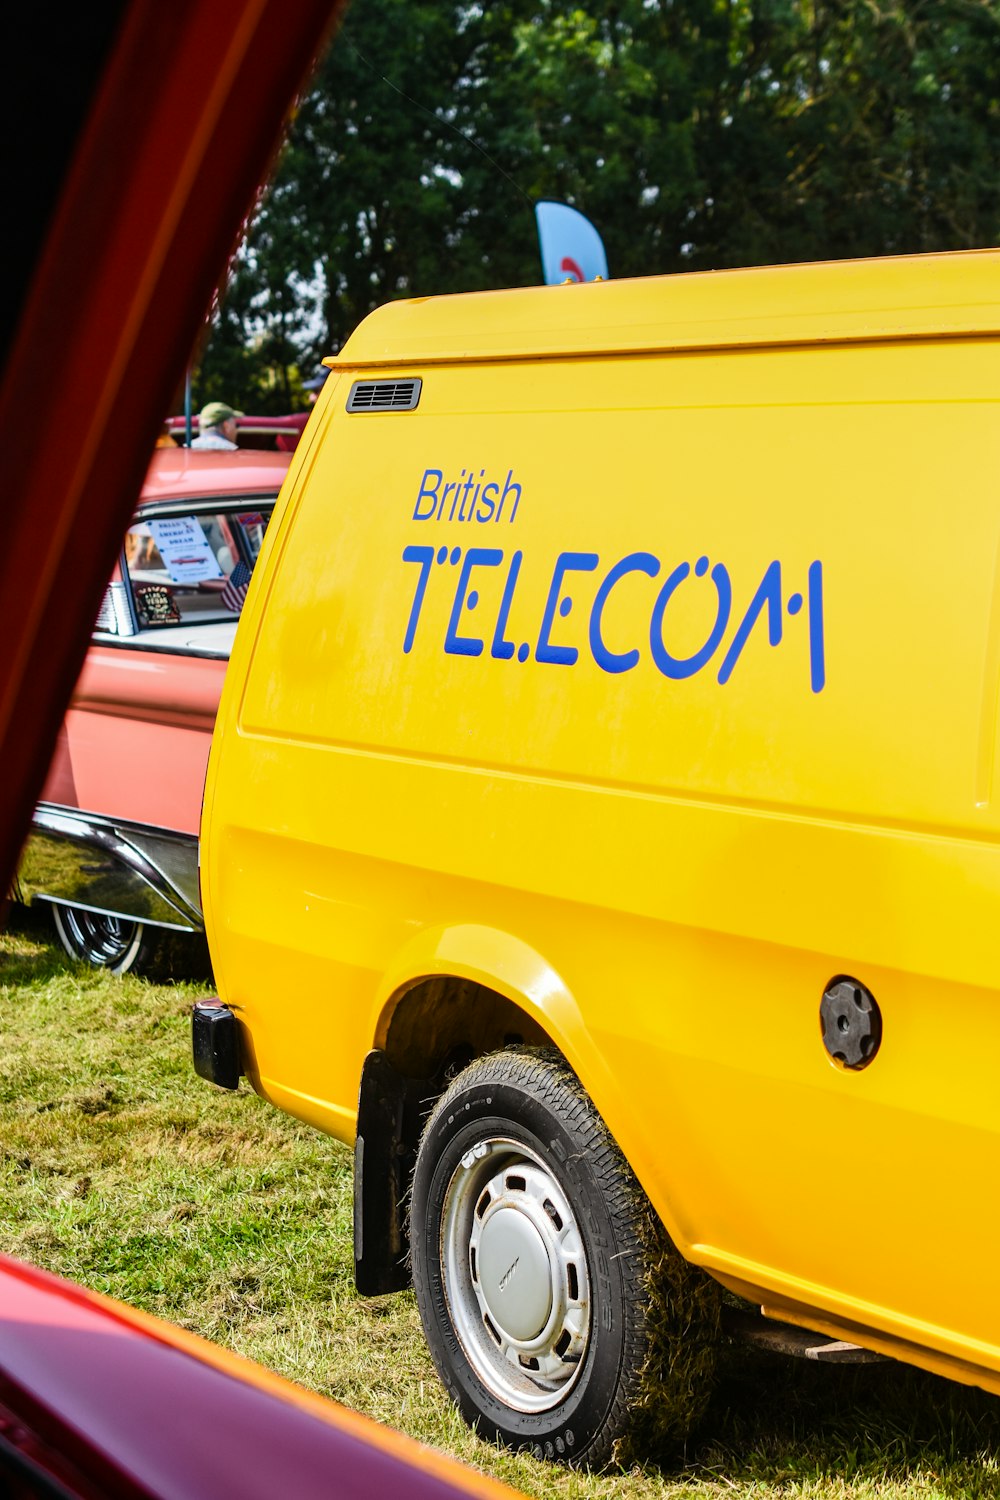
[(905, 297)]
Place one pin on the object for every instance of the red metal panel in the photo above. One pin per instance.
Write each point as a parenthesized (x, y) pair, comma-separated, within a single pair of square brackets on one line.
[(163, 688), (177, 142), (135, 743)]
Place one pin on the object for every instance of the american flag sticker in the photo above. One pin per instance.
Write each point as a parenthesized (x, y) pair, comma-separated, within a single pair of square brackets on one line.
[(235, 588)]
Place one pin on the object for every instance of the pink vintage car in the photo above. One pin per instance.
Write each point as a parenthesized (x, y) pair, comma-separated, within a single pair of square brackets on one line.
[(114, 841)]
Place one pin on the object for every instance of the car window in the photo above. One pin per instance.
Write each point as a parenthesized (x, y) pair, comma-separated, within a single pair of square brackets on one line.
[(191, 568)]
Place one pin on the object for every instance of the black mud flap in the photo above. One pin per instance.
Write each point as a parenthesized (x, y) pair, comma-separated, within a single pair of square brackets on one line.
[(384, 1152)]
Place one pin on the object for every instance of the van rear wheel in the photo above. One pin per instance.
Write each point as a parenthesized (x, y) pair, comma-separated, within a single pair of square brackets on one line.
[(560, 1317)]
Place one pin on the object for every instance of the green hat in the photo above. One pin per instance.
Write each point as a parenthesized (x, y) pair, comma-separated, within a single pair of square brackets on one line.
[(215, 413)]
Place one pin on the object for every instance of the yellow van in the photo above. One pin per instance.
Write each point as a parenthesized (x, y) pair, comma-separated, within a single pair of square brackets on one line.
[(602, 827)]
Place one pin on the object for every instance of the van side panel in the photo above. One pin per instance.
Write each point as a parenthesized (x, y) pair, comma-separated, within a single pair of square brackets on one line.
[(683, 670)]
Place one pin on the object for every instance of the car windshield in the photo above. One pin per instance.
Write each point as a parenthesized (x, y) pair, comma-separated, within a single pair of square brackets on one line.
[(192, 568)]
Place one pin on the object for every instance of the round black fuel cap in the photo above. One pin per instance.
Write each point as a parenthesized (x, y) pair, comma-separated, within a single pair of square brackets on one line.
[(851, 1022)]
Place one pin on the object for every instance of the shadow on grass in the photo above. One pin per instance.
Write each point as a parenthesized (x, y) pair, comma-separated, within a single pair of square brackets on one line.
[(783, 1421), (31, 955)]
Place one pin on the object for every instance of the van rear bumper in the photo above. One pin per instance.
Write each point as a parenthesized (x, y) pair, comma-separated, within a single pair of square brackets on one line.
[(215, 1043), (119, 869)]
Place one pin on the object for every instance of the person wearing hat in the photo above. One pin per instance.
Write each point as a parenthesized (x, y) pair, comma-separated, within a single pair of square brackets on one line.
[(217, 427)]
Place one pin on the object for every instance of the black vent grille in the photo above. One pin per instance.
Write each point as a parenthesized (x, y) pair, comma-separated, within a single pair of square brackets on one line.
[(384, 395)]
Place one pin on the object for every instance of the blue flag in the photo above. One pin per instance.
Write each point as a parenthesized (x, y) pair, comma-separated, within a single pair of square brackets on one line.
[(571, 247)]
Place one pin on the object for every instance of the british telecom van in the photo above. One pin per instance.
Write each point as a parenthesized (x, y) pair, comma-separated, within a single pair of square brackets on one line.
[(602, 829)]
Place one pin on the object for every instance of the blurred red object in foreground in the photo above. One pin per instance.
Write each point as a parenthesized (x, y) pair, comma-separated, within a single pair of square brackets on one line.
[(164, 119), (97, 1399)]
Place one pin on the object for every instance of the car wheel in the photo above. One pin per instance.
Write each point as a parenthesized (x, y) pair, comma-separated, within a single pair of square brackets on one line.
[(104, 941), (560, 1317)]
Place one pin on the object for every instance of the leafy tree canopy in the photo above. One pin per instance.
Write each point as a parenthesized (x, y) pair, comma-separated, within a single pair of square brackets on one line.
[(694, 133)]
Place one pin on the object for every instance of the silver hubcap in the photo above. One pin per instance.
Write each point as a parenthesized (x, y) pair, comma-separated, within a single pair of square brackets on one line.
[(515, 1275)]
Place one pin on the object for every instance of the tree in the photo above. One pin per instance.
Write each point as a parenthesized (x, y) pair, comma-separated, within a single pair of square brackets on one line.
[(695, 135)]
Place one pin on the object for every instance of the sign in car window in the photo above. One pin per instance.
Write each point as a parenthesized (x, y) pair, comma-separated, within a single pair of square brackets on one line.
[(185, 550)]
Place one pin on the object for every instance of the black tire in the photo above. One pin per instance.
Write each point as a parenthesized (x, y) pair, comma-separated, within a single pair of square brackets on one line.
[(517, 1173), (106, 942)]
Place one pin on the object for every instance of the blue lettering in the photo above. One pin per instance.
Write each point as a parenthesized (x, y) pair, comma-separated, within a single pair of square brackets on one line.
[(474, 485), (817, 649), (509, 489), (617, 661), (427, 494), (679, 667), (566, 562), (467, 500), (484, 500), (467, 645), (425, 557), (769, 593), (502, 649)]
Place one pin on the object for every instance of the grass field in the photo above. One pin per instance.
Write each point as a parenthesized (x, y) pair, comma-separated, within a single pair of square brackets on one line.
[(121, 1169)]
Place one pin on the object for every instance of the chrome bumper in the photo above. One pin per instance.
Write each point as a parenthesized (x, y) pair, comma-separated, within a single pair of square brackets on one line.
[(120, 869)]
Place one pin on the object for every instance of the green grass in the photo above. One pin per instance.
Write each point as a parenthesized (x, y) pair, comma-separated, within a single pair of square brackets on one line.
[(121, 1169)]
